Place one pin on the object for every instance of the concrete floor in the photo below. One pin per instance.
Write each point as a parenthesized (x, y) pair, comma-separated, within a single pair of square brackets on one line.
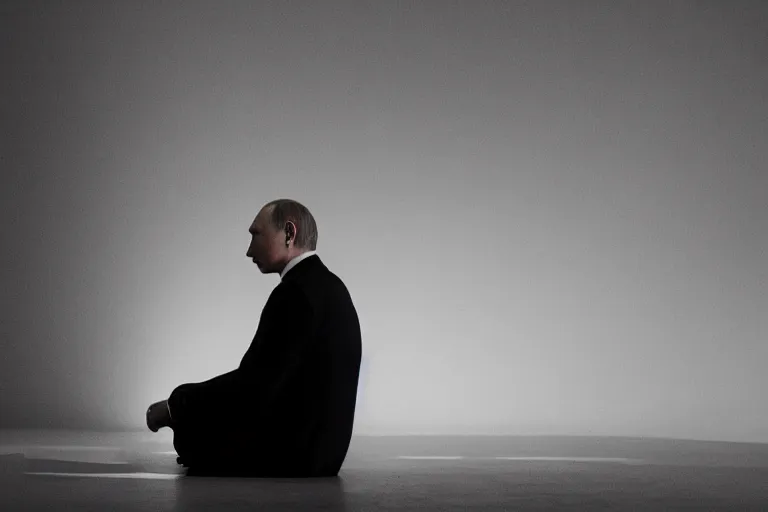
[(137, 471)]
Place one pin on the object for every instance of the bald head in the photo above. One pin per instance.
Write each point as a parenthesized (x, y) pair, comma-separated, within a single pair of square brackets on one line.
[(282, 230)]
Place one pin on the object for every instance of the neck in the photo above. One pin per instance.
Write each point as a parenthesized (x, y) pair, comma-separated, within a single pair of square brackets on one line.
[(292, 253)]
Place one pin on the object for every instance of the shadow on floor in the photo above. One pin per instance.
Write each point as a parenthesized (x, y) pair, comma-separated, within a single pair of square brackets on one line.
[(37, 481)]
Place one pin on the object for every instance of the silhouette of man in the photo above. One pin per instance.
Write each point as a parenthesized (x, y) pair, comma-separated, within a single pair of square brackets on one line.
[(288, 409)]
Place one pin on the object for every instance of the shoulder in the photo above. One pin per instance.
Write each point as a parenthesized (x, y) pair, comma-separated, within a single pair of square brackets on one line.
[(288, 293)]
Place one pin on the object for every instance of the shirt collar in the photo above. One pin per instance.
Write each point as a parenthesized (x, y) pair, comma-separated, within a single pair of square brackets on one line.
[(295, 260)]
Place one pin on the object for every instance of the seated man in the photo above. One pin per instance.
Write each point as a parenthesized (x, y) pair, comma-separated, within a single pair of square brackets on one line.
[(288, 409)]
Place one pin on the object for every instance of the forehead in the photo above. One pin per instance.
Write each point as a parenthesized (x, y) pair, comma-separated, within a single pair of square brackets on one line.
[(259, 222)]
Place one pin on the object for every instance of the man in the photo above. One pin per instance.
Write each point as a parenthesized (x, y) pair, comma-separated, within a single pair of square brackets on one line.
[(288, 409)]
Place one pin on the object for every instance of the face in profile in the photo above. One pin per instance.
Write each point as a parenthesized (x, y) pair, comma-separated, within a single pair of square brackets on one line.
[(267, 248)]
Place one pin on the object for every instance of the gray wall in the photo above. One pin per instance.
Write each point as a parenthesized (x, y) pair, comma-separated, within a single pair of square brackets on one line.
[(551, 215)]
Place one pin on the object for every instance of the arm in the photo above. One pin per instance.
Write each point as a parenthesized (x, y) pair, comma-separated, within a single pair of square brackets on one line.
[(250, 391), (203, 402), (285, 334)]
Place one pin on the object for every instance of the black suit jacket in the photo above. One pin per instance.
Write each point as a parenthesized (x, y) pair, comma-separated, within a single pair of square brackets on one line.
[(288, 409)]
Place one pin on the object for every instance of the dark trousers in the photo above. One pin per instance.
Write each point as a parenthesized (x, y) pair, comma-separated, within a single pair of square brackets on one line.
[(208, 451), (207, 447)]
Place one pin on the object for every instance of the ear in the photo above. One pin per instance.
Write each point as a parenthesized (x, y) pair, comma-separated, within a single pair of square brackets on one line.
[(290, 230)]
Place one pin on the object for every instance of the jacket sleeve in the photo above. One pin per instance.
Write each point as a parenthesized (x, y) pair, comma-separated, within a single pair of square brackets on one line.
[(250, 391), (203, 403), (281, 345)]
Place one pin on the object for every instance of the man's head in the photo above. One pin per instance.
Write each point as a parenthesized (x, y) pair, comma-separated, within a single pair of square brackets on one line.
[(282, 230)]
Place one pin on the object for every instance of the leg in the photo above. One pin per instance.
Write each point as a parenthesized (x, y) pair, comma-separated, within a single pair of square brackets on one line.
[(195, 446), (211, 451)]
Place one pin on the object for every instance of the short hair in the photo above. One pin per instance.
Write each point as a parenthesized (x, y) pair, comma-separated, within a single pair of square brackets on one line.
[(284, 210)]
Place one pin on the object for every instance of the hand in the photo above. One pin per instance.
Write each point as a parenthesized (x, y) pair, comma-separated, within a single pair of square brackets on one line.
[(158, 416)]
